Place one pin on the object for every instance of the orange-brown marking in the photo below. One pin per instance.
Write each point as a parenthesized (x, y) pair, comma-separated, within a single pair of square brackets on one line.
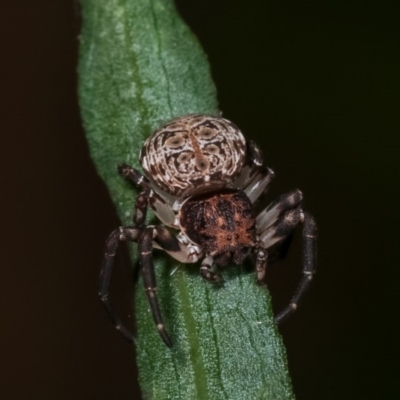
[(201, 161), (222, 223)]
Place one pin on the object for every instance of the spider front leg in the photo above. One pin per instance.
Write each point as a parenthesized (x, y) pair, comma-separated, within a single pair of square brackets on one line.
[(121, 234), (206, 271), (160, 237), (149, 280), (261, 264)]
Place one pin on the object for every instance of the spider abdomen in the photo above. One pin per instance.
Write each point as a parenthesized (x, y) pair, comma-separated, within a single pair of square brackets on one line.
[(194, 151), (222, 223)]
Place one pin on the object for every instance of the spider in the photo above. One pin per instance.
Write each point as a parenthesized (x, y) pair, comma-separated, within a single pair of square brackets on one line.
[(202, 179)]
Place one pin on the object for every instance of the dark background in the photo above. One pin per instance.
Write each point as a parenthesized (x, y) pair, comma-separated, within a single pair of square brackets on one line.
[(317, 84)]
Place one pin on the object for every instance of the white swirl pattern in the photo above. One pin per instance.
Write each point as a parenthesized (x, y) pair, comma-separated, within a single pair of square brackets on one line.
[(193, 152)]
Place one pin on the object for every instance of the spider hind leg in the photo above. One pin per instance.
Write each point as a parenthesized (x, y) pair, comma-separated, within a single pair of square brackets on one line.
[(309, 266)]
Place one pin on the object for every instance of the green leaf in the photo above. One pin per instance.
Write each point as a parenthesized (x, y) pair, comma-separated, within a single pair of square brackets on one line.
[(140, 66)]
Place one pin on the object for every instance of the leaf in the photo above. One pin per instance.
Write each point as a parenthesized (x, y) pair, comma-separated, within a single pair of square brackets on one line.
[(140, 66)]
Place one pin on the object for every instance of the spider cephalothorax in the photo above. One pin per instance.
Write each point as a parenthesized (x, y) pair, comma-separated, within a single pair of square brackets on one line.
[(222, 223), (202, 179)]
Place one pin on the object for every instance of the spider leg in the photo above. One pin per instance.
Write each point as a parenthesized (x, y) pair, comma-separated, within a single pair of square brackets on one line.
[(207, 273), (255, 152), (276, 226), (161, 238), (254, 178), (253, 165), (272, 220), (149, 279), (140, 209), (160, 206), (258, 184), (269, 236), (133, 175), (282, 250), (164, 240), (282, 228), (121, 234), (309, 266), (261, 264), (177, 247)]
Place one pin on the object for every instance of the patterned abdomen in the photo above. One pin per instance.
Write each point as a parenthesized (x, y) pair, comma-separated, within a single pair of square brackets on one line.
[(193, 153)]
